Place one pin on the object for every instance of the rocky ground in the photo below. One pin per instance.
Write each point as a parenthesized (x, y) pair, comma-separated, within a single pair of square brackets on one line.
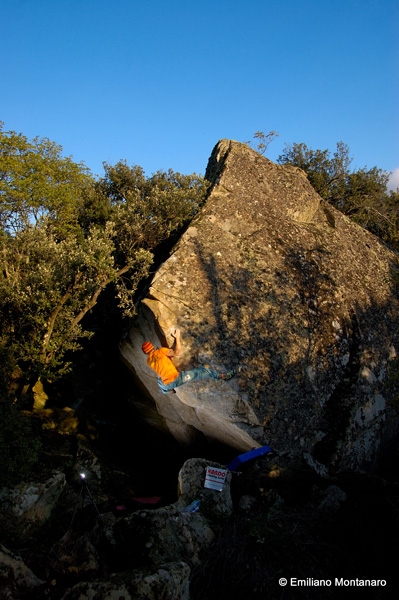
[(281, 520)]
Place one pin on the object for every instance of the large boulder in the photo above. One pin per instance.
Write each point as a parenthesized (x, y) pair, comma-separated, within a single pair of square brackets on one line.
[(272, 280), (213, 503), (29, 505), (154, 537)]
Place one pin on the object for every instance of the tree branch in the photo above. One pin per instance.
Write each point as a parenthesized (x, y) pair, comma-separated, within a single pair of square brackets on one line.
[(53, 318)]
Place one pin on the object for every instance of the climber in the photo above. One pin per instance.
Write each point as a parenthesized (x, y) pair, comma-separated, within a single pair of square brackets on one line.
[(169, 377)]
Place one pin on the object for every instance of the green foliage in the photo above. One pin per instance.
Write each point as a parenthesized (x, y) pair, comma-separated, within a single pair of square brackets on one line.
[(326, 173), (154, 207), (64, 238), (46, 287), (37, 182), (361, 195)]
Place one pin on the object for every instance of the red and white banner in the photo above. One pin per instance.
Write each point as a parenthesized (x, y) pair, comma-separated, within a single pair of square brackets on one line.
[(214, 478)]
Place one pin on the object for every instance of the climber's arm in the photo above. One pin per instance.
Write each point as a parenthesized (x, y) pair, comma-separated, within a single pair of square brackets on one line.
[(176, 349)]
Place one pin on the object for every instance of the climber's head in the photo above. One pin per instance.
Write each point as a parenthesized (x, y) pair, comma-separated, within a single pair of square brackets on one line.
[(147, 347)]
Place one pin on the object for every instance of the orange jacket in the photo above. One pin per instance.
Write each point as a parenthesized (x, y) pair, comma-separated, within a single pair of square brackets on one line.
[(160, 362)]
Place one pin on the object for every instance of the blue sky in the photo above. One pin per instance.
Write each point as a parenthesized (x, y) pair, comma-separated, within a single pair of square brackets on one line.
[(158, 83)]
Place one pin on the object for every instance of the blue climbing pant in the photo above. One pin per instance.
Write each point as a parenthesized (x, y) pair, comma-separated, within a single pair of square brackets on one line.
[(186, 377)]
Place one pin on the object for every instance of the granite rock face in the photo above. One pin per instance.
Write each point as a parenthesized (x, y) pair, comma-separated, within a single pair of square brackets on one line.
[(272, 280)]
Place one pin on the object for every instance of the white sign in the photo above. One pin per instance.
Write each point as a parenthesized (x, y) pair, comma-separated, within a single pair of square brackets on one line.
[(214, 478)]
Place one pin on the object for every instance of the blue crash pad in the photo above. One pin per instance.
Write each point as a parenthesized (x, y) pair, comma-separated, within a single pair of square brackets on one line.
[(243, 458)]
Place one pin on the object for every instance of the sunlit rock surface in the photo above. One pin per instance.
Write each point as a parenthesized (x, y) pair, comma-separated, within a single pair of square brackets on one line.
[(272, 280)]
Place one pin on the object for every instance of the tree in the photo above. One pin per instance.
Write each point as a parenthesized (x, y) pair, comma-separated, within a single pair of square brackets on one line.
[(326, 173), (361, 195), (160, 204), (47, 286), (37, 182), (363, 198), (146, 211), (59, 253)]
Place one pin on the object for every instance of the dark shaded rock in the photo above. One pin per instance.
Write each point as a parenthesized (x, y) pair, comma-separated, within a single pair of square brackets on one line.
[(162, 535), (213, 503), (16, 579), (333, 498), (74, 556), (246, 503), (169, 581)]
